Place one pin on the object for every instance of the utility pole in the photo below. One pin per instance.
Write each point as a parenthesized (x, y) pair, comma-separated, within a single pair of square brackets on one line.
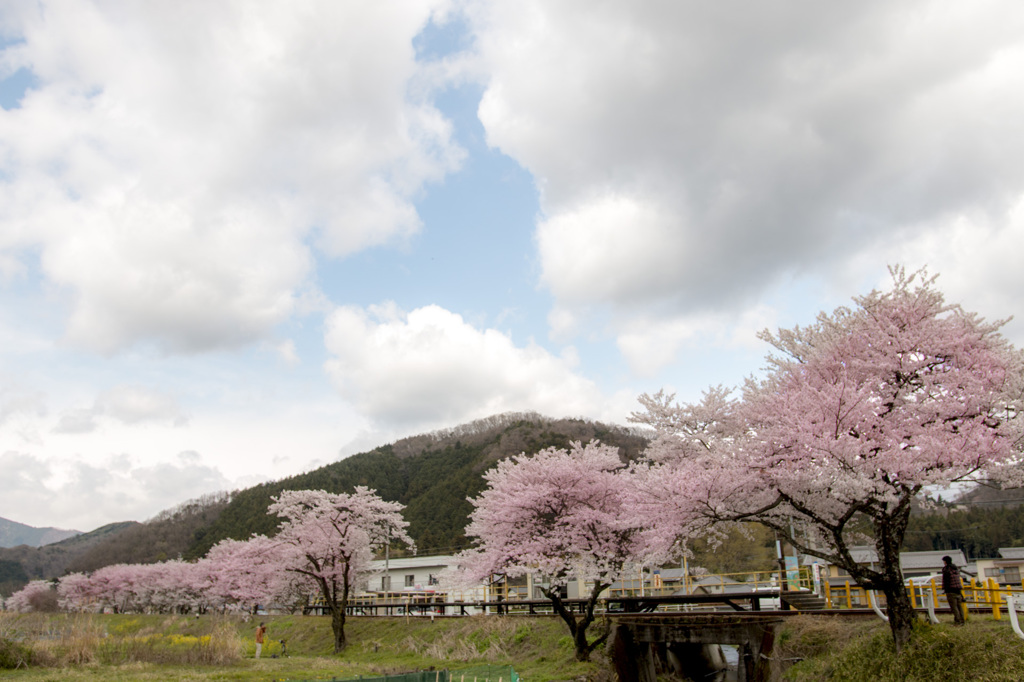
[(783, 586)]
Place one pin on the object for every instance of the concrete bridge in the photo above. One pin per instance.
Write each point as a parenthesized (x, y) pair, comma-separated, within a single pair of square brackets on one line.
[(681, 642)]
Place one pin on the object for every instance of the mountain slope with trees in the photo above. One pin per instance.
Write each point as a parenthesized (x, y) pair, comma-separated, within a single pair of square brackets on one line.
[(166, 536), (20, 564), (431, 474)]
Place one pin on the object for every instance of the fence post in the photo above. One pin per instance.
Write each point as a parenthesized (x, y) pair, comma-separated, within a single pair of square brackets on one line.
[(929, 598), (993, 587), (1012, 611), (849, 601), (874, 606), (828, 594)]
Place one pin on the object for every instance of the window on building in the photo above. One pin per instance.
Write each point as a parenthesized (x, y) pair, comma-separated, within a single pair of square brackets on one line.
[(433, 580), (1004, 575), (410, 581)]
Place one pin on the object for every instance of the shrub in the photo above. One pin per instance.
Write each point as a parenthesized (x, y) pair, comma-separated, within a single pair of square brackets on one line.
[(14, 655)]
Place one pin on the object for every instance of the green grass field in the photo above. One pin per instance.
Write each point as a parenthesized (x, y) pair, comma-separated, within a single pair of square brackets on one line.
[(155, 647)]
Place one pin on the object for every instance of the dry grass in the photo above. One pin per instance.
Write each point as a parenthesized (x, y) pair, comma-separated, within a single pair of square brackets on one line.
[(812, 636), (77, 640), (154, 647)]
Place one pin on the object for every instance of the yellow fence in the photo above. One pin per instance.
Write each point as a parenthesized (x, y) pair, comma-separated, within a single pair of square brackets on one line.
[(979, 595)]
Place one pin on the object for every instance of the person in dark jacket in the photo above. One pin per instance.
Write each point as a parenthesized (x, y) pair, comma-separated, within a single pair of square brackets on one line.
[(953, 586)]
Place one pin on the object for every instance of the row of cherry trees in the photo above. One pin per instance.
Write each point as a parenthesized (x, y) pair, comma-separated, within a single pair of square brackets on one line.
[(324, 544), (234, 576)]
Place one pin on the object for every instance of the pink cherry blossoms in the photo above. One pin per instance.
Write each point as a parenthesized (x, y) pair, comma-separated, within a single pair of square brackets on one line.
[(325, 543), (857, 415), (330, 538), (564, 515)]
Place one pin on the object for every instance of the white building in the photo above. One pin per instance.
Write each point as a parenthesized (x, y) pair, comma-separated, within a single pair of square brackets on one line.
[(1008, 569), (414, 584)]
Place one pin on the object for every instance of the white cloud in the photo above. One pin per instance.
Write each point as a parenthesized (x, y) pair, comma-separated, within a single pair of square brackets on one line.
[(127, 404), (21, 408), (977, 259), (428, 368), (16, 400), (287, 352), (692, 156), (575, 245), (112, 470), (79, 420), (177, 160), (137, 404), (73, 493), (650, 345)]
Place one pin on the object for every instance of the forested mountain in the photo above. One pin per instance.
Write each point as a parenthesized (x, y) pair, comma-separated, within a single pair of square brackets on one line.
[(978, 529), (20, 564), (168, 535), (13, 534), (432, 474)]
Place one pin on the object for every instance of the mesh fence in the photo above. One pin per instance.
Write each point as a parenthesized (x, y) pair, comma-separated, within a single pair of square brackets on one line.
[(485, 673)]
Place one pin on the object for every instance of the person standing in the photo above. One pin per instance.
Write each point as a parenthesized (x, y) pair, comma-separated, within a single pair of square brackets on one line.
[(953, 586), (260, 632)]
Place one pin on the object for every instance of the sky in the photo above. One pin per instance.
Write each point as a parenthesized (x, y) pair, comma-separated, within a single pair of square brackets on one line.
[(242, 239)]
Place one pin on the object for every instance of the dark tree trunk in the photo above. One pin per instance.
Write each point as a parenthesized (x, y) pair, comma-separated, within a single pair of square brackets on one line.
[(901, 615), (336, 599), (338, 627), (890, 527), (578, 628), (889, 532)]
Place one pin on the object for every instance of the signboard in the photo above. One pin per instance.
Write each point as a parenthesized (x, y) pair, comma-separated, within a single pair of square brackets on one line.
[(792, 573)]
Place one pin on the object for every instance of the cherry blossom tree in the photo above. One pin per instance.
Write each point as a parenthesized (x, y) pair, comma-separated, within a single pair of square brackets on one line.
[(250, 572), (75, 593), (172, 586), (113, 587), (689, 467), (858, 413), (562, 514), (38, 595), (330, 539)]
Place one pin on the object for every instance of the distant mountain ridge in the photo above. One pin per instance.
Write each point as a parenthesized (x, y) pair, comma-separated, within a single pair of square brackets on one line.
[(22, 563), (431, 474), (13, 534)]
